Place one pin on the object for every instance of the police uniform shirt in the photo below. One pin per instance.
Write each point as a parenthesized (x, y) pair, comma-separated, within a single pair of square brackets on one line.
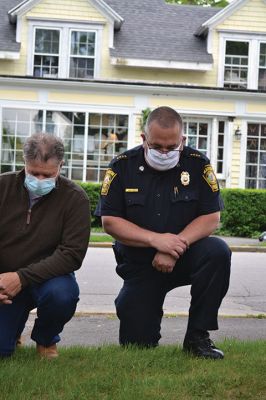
[(160, 201)]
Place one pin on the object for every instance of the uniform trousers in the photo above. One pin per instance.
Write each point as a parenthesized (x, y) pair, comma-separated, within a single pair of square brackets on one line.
[(139, 305), (55, 300)]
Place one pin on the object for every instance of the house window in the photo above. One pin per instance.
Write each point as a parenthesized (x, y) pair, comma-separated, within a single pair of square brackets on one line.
[(256, 157), (82, 54), (46, 53), (17, 125), (236, 64), (220, 150), (107, 137), (197, 135), (91, 140), (262, 67)]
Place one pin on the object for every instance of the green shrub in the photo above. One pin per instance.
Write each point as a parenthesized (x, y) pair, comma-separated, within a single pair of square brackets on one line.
[(93, 192), (245, 212)]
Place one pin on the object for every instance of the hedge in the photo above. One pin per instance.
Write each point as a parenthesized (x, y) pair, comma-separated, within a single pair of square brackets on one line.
[(244, 214)]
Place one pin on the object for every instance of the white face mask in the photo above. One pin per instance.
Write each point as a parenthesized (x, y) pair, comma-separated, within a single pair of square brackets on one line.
[(161, 161)]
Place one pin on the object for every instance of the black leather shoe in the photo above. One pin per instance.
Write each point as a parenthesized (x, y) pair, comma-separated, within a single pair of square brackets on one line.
[(200, 345)]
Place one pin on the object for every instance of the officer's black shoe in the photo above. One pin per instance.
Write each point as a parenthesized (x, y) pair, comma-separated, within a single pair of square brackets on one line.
[(200, 345)]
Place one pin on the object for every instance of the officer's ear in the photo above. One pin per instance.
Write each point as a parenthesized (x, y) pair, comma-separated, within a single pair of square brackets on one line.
[(143, 137)]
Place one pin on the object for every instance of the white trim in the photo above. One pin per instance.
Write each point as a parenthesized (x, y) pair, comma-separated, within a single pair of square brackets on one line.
[(9, 55), (100, 5), (254, 39), (243, 154), (210, 41), (135, 62), (64, 43), (228, 179), (221, 15)]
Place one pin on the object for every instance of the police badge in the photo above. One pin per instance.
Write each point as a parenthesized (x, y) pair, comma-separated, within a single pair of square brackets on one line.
[(185, 178)]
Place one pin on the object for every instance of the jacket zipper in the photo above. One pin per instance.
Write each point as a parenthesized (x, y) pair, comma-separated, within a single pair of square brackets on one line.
[(28, 216)]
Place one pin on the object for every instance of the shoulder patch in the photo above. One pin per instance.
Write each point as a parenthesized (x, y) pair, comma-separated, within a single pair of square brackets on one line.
[(109, 176), (210, 178)]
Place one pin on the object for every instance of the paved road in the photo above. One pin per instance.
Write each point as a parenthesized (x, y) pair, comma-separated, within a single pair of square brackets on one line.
[(99, 285)]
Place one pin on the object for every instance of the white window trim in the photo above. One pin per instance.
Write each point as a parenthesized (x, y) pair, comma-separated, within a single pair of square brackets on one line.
[(77, 56), (56, 55), (64, 45), (254, 41)]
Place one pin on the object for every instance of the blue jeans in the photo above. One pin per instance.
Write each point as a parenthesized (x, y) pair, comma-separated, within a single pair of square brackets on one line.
[(55, 300)]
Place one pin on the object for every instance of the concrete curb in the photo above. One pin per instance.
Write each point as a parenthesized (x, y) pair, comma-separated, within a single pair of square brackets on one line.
[(239, 248)]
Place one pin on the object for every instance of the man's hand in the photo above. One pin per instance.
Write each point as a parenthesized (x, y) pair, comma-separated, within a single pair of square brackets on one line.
[(164, 262), (170, 243), (10, 286)]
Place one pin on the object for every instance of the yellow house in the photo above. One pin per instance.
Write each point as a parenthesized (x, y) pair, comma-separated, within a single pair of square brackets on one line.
[(86, 69)]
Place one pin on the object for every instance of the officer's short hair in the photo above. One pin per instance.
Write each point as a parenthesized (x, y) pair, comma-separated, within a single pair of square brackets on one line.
[(166, 117), (43, 147)]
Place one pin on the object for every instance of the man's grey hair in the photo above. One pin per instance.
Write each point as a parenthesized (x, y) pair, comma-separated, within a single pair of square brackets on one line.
[(166, 117), (43, 147)]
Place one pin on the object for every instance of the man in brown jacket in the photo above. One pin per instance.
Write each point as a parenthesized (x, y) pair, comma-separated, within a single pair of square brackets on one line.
[(44, 232)]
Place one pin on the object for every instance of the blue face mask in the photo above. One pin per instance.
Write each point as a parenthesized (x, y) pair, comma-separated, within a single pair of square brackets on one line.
[(39, 187)]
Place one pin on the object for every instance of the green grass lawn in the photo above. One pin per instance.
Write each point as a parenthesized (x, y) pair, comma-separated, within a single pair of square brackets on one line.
[(100, 238), (114, 373)]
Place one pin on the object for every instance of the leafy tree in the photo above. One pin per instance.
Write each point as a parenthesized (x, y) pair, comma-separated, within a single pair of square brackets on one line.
[(212, 3)]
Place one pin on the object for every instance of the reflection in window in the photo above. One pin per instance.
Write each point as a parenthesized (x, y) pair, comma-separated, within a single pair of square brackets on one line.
[(107, 137), (82, 54), (236, 64), (256, 157), (197, 135), (46, 53), (262, 67), (84, 155), (220, 150), (17, 125)]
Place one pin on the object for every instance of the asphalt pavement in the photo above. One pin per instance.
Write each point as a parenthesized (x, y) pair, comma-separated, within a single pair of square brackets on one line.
[(241, 316)]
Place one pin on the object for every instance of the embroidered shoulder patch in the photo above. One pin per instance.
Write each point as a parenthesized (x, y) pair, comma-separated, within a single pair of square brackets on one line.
[(109, 176), (210, 178)]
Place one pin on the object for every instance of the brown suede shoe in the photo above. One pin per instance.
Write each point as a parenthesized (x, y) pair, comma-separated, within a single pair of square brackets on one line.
[(49, 352)]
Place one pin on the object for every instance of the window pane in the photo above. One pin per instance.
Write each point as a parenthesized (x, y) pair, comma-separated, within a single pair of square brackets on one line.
[(221, 126), (253, 129), (250, 184), (192, 129), (81, 68), (252, 144), (262, 172), (252, 157), (262, 184), (203, 129), (220, 140), (47, 41), (237, 48), (251, 171), (262, 79), (263, 55)]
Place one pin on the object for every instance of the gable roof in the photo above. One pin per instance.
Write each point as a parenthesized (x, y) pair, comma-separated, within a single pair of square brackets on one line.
[(155, 30), (221, 16), (151, 30), (7, 30)]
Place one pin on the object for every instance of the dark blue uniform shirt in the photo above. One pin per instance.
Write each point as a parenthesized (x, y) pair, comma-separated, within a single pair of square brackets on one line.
[(160, 201)]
